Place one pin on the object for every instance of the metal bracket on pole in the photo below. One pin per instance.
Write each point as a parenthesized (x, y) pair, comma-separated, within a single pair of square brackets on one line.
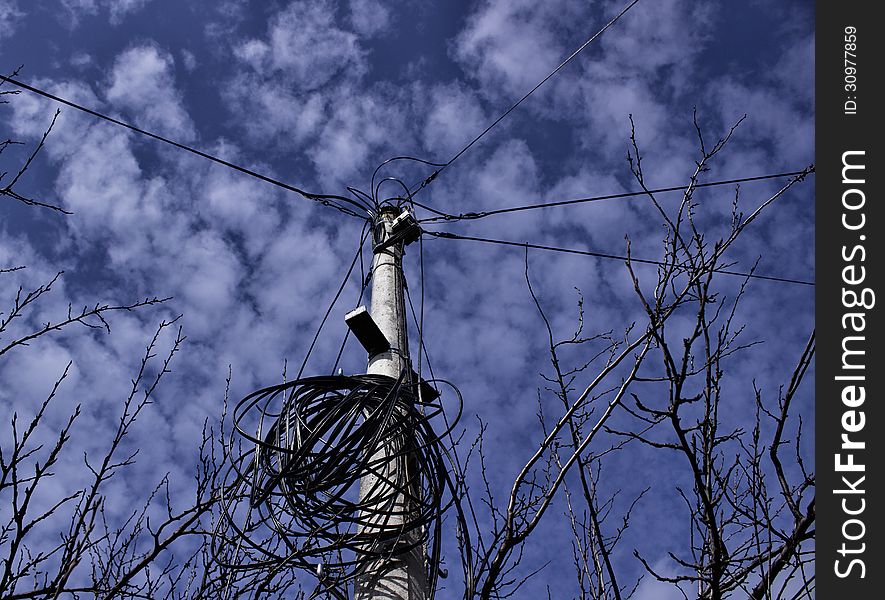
[(366, 331), (372, 339)]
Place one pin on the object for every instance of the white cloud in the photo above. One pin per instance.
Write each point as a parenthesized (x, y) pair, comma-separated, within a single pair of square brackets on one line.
[(236, 204), (10, 14), (305, 46), (509, 178), (76, 7), (796, 69), (206, 274), (31, 115), (652, 589), (81, 60), (142, 81), (360, 128), (369, 17), (282, 116), (119, 9), (509, 46), (188, 59), (284, 78), (252, 269), (253, 52), (643, 40), (454, 117)]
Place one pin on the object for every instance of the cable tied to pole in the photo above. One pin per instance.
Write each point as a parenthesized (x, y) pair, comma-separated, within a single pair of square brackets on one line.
[(293, 489)]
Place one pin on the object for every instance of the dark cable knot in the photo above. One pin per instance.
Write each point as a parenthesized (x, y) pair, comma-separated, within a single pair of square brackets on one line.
[(334, 473)]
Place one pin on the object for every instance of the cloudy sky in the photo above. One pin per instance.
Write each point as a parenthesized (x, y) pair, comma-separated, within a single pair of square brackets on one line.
[(318, 94)]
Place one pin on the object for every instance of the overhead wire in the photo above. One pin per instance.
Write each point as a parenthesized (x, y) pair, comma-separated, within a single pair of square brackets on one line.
[(472, 216), (331, 200), (462, 508), (365, 276), (363, 236), (454, 236), (513, 107), (396, 158), (323, 436)]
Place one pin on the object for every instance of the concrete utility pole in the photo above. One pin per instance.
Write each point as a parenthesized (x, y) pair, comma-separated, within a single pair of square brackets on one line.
[(401, 577)]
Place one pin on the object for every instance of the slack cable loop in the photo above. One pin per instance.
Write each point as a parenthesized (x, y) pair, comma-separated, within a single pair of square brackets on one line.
[(395, 180), (296, 487), (396, 158)]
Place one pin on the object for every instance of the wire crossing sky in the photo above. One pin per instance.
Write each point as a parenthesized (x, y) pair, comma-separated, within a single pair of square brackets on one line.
[(680, 188), (516, 104), (325, 198), (454, 236), (321, 94)]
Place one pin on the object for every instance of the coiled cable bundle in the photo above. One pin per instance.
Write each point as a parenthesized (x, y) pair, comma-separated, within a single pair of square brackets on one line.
[(331, 474)]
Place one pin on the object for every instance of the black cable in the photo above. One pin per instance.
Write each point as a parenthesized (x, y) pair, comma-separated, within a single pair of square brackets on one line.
[(467, 507), (394, 180), (592, 38), (325, 199), (420, 322), (294, 497), (499, 211), (370, 202), (422, 349), (359, 252), (364, 283), (453, 236), (395, 158)]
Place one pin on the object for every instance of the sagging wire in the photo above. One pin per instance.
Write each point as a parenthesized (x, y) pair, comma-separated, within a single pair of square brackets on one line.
[(365, 277), (394, 159), (472, 216), (413, 190), (373, 199), (364, 211), (397, 200), (466, 506), (455, 236), (364, 282), (358, 256)]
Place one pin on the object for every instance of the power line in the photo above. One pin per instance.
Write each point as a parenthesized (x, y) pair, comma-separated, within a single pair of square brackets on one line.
[(529, 93), (325, 199), (500, 211), (453, 236), (358, 256)]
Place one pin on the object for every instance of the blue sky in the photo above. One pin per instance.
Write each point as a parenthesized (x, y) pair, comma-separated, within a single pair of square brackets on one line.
[(318, 94)]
